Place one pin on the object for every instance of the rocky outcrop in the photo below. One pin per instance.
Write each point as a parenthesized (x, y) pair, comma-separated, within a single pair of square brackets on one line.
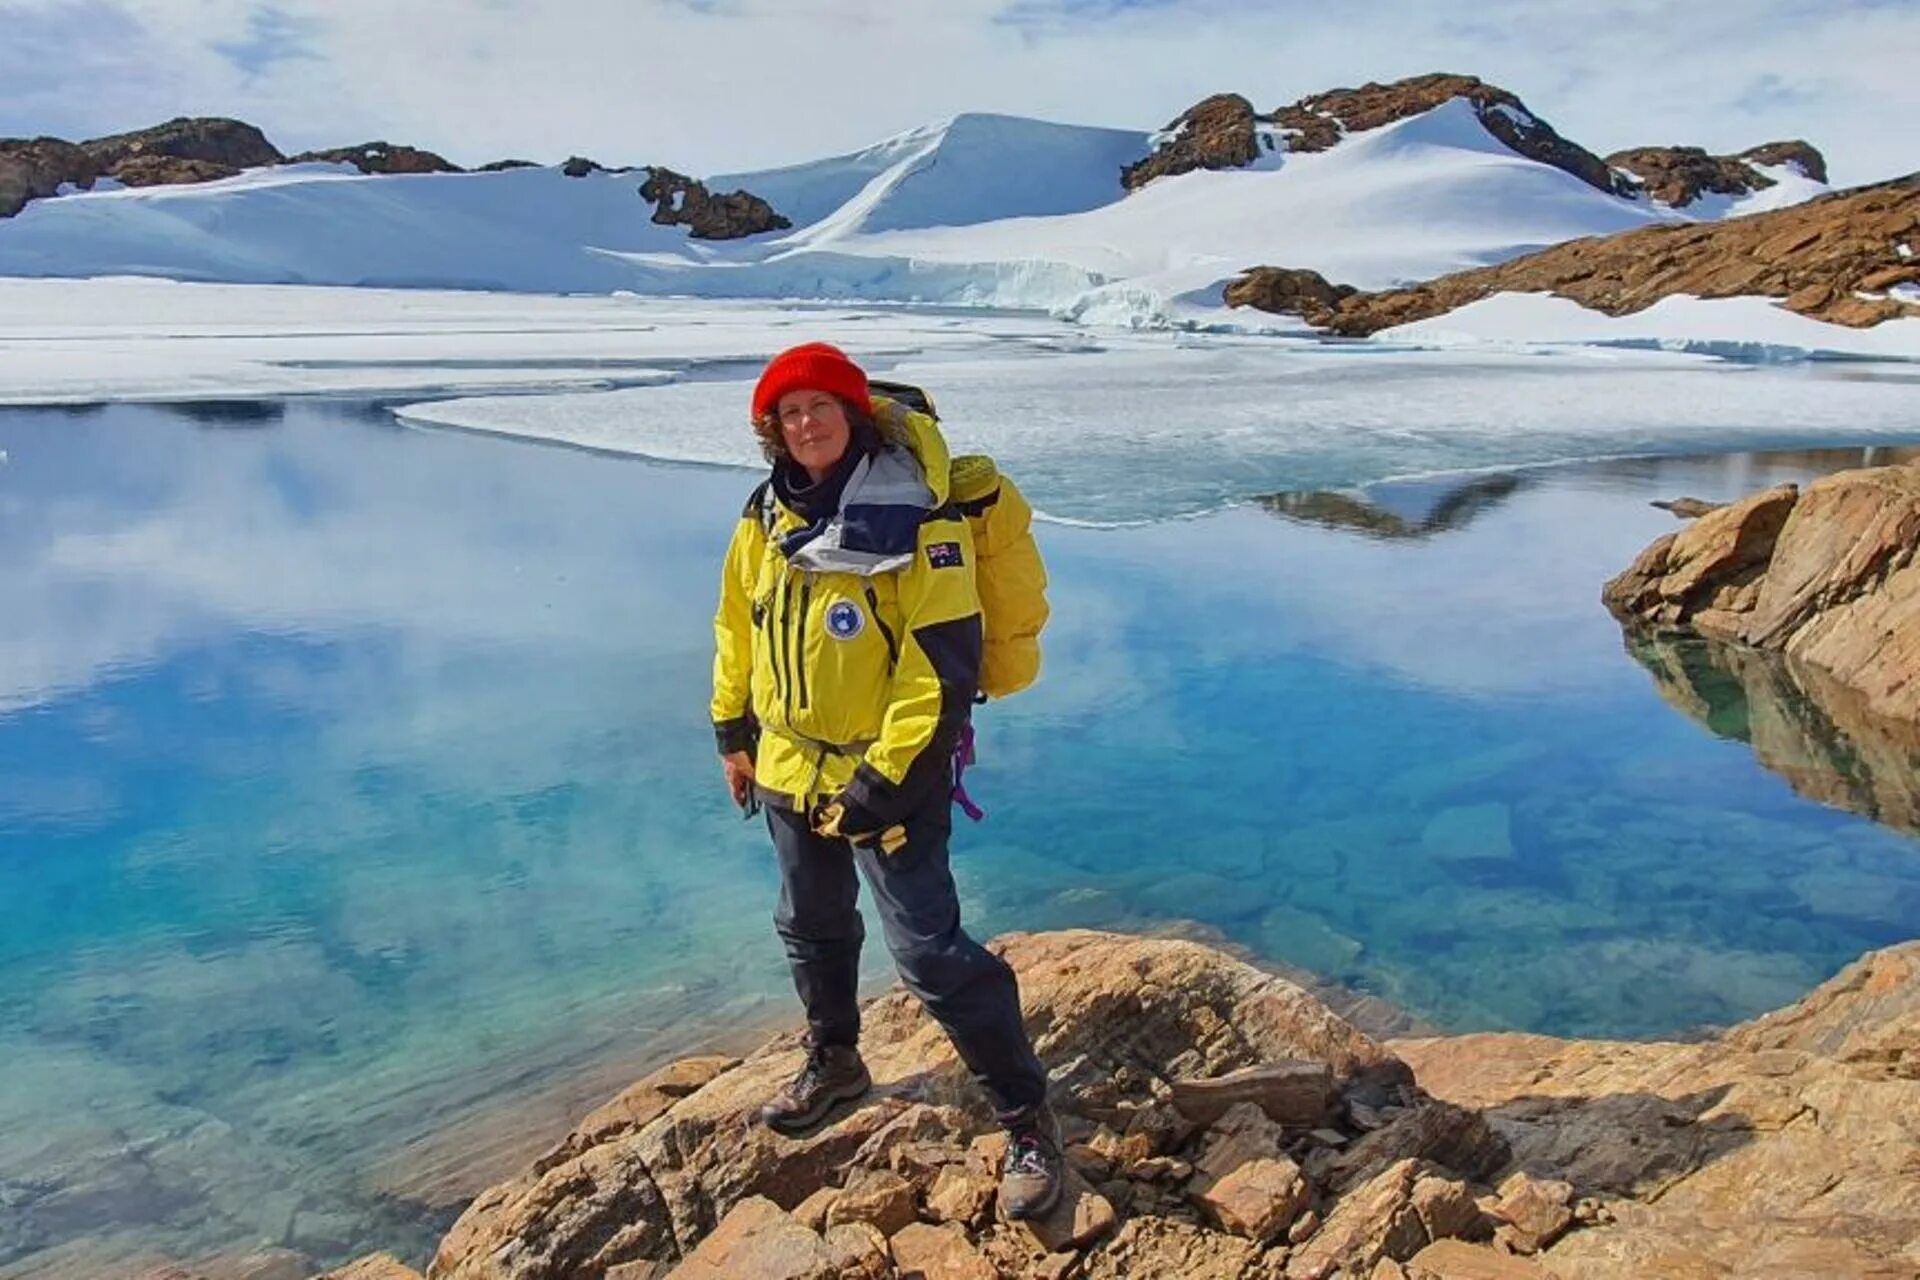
[(1801, 723), (35, 168), (381, 157), (212, 140), (1798, 152), (1835, 258), (680, 201), (1784, 1147), (1225, 132), (184, 150), (1220, 132), (1223, 1125), (1677, 176), (1830, 577), (1287, 291)]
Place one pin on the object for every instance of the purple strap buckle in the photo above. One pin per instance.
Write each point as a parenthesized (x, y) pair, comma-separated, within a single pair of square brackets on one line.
[(962, 757)]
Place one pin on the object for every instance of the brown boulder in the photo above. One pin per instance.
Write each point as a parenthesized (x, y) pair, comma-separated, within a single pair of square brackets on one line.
[(1830, 577), (680, 201), (1259, 1199), (35, 168), (1710, 567), (1288, 291), (381, 157), (1299, 1094), (1395, 1214), (923, 1252)]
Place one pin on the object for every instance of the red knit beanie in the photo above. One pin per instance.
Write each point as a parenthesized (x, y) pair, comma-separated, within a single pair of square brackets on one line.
[(814, 366)]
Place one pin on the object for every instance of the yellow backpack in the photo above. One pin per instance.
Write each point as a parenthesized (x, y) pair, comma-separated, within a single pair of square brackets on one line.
[(1008, 572)]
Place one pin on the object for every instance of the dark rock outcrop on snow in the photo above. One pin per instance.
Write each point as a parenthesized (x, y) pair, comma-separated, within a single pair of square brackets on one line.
[(35, 168), (680, 201), (381, 157), (1224, 131), (1677, 176), (1794, 151), (499, 166), (1833, 258), (1293, 291), (212, 140), (1221, 132), (184, 150)]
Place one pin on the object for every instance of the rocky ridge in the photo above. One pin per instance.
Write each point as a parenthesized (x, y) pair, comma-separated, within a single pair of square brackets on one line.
[(1846, 258), (197, 149), (1225, 1125), (205, 149), (381, 157), (1225, 132), (1829, 577), (1677, 176)]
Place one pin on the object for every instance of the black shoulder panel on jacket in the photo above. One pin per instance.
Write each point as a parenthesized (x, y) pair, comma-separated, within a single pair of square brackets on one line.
[(756, 508)]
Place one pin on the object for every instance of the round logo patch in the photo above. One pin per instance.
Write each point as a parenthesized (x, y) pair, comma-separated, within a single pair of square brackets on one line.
[(844, 620)]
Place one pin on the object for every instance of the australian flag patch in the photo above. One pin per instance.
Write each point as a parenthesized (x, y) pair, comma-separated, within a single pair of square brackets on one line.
[(944, 555)]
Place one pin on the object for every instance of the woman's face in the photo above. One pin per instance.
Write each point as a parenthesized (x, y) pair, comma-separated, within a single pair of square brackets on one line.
[(815, 428)]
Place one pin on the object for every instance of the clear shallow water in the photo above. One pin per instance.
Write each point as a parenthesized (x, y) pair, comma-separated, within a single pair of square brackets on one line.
[(355, 779)]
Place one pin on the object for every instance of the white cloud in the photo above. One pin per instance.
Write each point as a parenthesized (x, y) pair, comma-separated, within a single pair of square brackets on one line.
[(721, 85)]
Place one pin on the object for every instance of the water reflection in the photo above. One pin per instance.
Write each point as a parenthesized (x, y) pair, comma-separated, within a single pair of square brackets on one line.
[(1801, 723), (1416, 511)]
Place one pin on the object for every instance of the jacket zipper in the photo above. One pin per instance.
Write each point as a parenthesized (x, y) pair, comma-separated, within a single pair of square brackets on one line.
[(806, 605), (786, 644), (893, 646)]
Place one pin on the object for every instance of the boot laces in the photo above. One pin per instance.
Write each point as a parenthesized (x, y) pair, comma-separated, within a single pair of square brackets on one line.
[(1029, 1152)]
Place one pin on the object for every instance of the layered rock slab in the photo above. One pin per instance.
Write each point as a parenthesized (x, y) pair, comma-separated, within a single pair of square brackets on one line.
[(1829, 577)]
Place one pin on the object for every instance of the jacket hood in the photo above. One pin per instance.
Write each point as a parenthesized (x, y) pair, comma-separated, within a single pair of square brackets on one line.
[(922, 437)]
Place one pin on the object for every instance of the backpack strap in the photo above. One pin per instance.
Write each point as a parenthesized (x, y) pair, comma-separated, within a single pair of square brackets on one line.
[(760, 506)]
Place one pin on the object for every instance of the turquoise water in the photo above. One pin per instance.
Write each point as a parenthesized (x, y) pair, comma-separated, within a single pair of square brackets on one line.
[(355, 783)]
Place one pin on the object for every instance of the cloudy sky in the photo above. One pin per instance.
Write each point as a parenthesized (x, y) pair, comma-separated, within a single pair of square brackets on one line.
[(714, 85)]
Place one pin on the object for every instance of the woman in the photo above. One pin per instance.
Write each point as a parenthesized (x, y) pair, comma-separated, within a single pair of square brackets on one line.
[(848, 645)]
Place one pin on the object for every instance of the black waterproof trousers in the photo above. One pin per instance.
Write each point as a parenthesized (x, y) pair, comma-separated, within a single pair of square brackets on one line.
[(970, 991)]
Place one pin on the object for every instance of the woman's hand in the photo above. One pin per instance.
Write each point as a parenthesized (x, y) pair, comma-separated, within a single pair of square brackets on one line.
[(738, 766)]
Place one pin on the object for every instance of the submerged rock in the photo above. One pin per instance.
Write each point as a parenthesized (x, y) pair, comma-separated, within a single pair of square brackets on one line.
[(1790, 1136)]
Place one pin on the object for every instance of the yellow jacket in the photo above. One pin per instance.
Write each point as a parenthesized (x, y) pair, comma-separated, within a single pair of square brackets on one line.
[(853, 658)]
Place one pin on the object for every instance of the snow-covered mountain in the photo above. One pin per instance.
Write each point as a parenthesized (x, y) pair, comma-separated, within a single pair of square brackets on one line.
[(978, 209)]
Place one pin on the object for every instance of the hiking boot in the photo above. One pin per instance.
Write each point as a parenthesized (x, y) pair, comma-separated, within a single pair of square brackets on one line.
[(1034, 1169), (833, 1074)]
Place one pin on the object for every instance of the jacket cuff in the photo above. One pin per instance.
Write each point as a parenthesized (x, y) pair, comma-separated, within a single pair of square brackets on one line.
[(737, 734), (870, 789)]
